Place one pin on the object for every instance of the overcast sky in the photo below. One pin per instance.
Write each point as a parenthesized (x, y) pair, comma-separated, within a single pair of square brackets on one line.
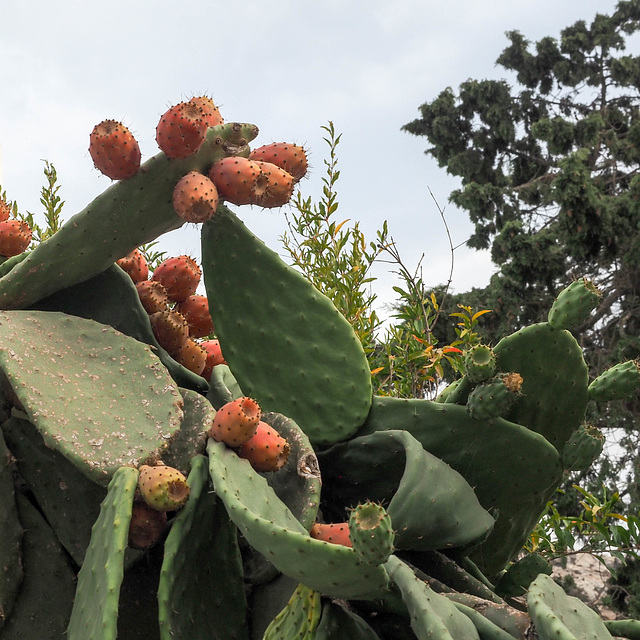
[(288, 66)]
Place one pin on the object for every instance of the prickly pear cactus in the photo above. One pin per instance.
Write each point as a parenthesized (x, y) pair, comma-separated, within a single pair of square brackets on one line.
[(438, 498)]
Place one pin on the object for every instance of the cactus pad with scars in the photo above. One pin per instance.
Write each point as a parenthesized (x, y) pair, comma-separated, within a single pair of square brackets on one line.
[(285, 342), (100, 398)]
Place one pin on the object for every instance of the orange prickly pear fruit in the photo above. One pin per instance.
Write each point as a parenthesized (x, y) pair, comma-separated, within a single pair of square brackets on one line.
[(195, 310), (179, 276), (214, 357), (135, 265), (210, 112), (290, 157), (15, 237), (153, 296), (191, 356), (114, 150), (170, 329), (337, 533), (5, 210), (274, 187), (147, 525), (266, 449), (235, 179), (195, 197), (236, 422), (163, 488), (181, 130)]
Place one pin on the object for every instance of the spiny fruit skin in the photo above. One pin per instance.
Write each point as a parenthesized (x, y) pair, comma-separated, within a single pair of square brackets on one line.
[(180, 276), (192, 356), (15, 237), (5, 210), (153, 296), (574, 304), (195, 197), (266, 449), (195, 310), (336, 533), (616, 383), (114, 150), (214, 357), (210, 112), (274, 187), (582, 448), (147, 525), (170, 329), (135, 265), (371, 533), (494, 398), (236, 421), (181, 130), (163, 488), (290, 157), (235, 179), (479, 363)]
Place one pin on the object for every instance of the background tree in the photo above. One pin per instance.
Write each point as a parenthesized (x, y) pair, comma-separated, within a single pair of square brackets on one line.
[(549, 164)]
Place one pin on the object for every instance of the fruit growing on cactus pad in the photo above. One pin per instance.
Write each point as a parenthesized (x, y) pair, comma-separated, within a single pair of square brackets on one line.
[(336, 533), (153, 296), (15, 237), (147, 525), (236, 421), (210, 112), (195, 310), (170, 329), (135, 265), (180, 276), (114, 150), (163, 488), (181, 130), (192, 356), (195, 197), (266, 449), (274, 186), (5, 210), (214, 357), (290, 157)]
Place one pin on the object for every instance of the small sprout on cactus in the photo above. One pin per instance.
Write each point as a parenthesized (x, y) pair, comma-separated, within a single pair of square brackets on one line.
[(180, 276), (163, 488), (335, 533), (114, 150), (195, 197), (181, 130), (147, 525), (236, 422), (135, 264), (266, 449)]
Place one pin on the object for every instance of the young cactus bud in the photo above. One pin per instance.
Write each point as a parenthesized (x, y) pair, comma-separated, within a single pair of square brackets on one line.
[(163, 488), (479, 363), (583, 448), (371, 533), (236, 422), (336, 533), (494, 398), (574, 304), (616, 383)]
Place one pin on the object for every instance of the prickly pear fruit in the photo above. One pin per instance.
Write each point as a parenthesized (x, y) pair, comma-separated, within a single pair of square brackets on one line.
[(135, 265), (274, 186), (210, 112), (290, 157), (180, 276), (147, 525), (5, 210), (493, 399), (170, 329), (235, 179), (153, 296), (371, 533), (236, 421), (336, 533), (266, 449), (574, 304), (479, 363), (114, 150), (214, 357), (15, 237), (582, 448), (163, 488), (615, 383), (192, 356), (181, 130), (195, 197), (195, 310)]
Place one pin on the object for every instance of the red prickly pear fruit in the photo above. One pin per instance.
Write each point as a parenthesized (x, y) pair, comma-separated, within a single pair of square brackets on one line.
[(191, 356), (114, 150), (181, 130), (290, 157), (266, 449), (210, 112), (337, 533), (236, 422), (179, 276), (135, 265), (274, 187), (153, 296), (163, 488), (15, 237), (235, 179), (170, 329), (195, 197), (214, 357), (5, 210), (195, 310), (147, 525)]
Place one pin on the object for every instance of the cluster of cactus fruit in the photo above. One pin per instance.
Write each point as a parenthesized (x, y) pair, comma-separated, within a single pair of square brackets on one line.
[(147, 494)]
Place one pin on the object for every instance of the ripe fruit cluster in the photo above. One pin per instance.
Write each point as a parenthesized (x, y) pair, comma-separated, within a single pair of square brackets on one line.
[(15, 235)]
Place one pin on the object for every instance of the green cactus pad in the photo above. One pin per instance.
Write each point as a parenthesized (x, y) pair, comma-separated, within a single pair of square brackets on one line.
[(271, 528), (95, 609), (574, 304), (432, 615), (616, 383), (298, 619), (583, 448), (490, 457), (223, 387), (202, 571), (431, 505), (558, 616), (486, 629), (516, 580), (624, 628), (338, 623), (100, 398), (128, 214), (285, 342)]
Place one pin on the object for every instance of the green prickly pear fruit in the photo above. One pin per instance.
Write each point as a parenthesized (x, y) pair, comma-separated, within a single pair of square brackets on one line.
[(210, 113), (15, 237), (195, 310), (494, 398), (574, 304), (191, 355), (195, 197), (135, 265), (583, 448), (290, 157), (236, 421), (170, 329), (114, 150), (163, 488), (181, 130), (616, 383), (336, 533), (516, 579), (371, 533), (153, 296), (266, 449), (214, 357), (147, 525), (180, 276), (480, 363)]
